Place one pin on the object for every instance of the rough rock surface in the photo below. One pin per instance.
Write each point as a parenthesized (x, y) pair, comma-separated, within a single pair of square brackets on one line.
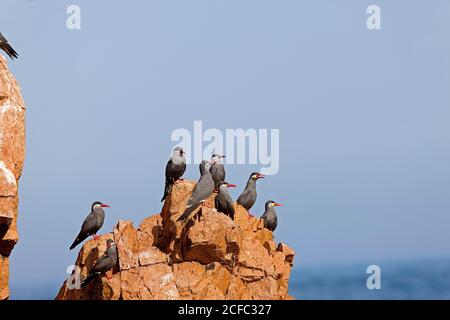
[(12, 153), (212, 257)]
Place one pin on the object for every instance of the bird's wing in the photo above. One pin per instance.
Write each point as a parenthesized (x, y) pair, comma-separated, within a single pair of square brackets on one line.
[(169, 169), (103, 264), (202, 190), (264, 218), (249, 195), (216, 201), (213, 170), (5, 46), (221, 172), (174, 170), (182, 168), (218, 172), (219, 201), (230, 204), (87, 227), (243, 197), (89, 224)]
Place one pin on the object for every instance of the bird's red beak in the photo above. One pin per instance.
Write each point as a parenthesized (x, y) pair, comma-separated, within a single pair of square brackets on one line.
[(230, 185), (104, 205), (277, 204), (260, 176)]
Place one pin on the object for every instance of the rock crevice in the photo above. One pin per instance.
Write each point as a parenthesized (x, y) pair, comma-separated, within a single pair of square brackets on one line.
[(211, 257)]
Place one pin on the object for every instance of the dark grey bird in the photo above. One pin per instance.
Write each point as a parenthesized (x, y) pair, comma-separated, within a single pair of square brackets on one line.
[(175, 168), (104, 264), (270, 216), (248, 197), (92, 223), (223, 201), (203, 189), (217, 170), (5, 46)]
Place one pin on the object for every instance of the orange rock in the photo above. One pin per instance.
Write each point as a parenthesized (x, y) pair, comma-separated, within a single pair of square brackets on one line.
[(153, 227), (288, 253), (236, 288), (283, 282), (174, 207), (151, 255), (249, 274), (149, 282), (219, 276), (208, 240), (264, 289), (8, 226), (212, 257), (188, 276), (4, 277), (270, 246), (126, 238), (12, 154), (214, 284), (279, 264), (213, 293), (253, 255)]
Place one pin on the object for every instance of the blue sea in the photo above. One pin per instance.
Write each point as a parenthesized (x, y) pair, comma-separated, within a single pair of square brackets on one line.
[(419, 279), (409, 280)]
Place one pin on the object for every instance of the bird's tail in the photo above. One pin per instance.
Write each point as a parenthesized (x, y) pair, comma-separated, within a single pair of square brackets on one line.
[(186, 214), (167, 189), (10, 51), (77, 241), (86, 280)]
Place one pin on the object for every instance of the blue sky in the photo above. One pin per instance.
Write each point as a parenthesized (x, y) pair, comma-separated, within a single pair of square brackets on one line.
[(363, 118)]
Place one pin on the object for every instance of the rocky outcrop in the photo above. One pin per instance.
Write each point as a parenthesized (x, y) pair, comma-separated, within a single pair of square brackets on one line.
[(211, 257), (12, 153)]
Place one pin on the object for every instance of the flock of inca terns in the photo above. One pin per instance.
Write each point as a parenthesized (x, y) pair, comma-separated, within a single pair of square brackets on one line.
[(212, 180)]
